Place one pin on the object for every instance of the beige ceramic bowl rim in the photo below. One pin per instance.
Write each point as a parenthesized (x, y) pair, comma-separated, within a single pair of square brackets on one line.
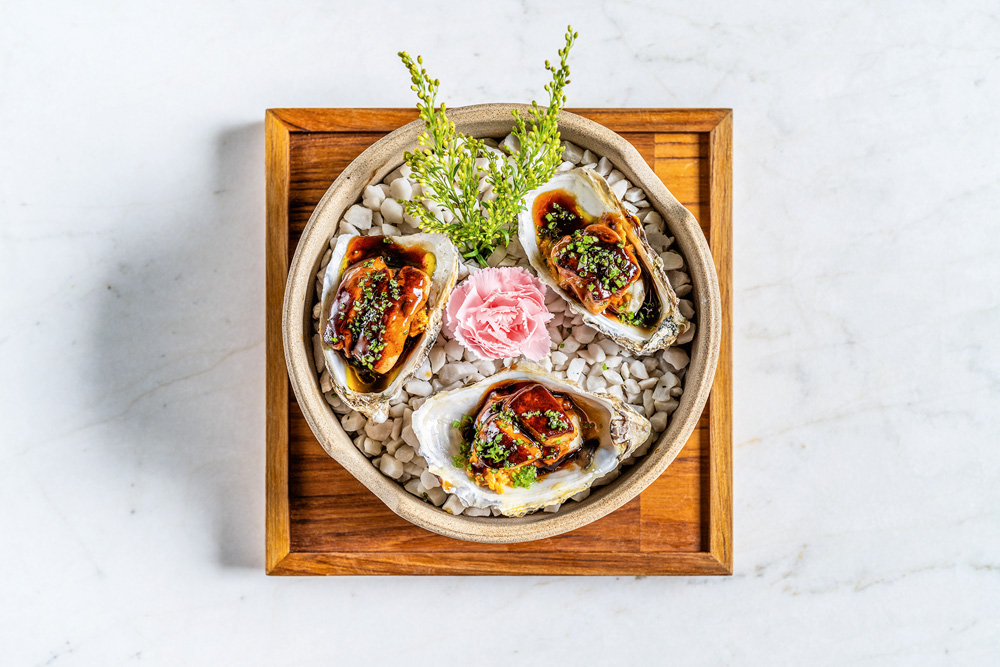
[(385, 155)]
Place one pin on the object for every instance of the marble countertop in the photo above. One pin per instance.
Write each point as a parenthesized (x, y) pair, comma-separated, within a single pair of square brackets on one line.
[(867, 372)]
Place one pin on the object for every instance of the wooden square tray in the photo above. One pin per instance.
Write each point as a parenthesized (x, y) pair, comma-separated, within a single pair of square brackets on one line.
[(320, 520)]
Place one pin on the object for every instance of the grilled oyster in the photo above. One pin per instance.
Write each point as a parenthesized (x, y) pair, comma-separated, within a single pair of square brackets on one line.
[(383, 299), (523, 439), (587, 247)]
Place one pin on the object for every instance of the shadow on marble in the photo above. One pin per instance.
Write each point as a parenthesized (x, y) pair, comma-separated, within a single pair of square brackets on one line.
[(178, 357)]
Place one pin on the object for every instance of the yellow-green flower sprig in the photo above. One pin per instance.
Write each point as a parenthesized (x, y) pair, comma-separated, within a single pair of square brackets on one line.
[(445, 164)]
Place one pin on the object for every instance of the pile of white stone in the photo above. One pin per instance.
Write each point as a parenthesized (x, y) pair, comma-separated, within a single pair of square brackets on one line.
[(652, 384)]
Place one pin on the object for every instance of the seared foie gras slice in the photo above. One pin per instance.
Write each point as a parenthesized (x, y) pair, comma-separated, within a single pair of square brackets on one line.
[(597, 266), (552, 421), (500, 447), (375, 310)]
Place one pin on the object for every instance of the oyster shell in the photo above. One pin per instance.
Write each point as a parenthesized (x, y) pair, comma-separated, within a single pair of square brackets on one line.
[(599, 205), (374, 403), (620, 430)]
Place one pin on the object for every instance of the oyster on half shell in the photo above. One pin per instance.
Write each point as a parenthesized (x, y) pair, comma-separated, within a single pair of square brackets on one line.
[(379, 328), (480, 440), (585, 245)]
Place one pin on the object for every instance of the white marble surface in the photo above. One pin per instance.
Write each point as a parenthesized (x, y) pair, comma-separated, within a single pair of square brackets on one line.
[(867, 373)]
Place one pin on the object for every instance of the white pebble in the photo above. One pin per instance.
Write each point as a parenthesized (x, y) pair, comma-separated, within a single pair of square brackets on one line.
[(373, 197), (589, 157), (454, 350), (418, 388), (671, 260), (453, 505), (456, 371), (359, 217), (372, 447), (634, 194), (666, 406), (610, 347), (436, 495), (669, 380), (687, 336), (558, 358), (676, 357), (353, 421), (658, 421), (603, 167), (584, 335), (486, 367), (413, 486), (378, 431), (575, 369), (401, 189), (497, 255), (572, 152), (596, 353), (405, 453), (648, 383), (596, 383), (551, 509), (614, 378), (389, 230), (616, 390), (619, 188), (632, 387), (318, 357), (409, 437), (570, 346), (391, 466), (437, 358), (654, 220), (615, 362), (429, 480), (392, 211), (325, 381), (347, 229), (658, 241), (511, 143)]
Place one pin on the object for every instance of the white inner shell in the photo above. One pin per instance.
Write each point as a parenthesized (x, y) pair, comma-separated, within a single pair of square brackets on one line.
[(440, 441)]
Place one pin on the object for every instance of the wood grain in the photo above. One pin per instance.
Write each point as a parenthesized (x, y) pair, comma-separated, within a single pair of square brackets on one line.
[(320, 520)]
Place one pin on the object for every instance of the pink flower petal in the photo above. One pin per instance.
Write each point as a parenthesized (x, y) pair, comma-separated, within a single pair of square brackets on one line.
[(499, 313)]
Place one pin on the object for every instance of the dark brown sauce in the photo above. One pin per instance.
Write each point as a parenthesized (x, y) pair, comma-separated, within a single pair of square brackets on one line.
[(359, 249), (395, 256), (567, 217), (588, 420)]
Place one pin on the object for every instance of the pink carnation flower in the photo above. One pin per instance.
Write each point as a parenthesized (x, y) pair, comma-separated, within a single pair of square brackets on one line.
[(501, 313)]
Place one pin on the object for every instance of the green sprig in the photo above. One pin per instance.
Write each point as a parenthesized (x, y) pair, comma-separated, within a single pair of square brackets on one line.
[(445, 164)]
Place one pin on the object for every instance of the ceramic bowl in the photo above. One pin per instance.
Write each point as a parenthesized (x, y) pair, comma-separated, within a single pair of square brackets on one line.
[(385, 155)]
